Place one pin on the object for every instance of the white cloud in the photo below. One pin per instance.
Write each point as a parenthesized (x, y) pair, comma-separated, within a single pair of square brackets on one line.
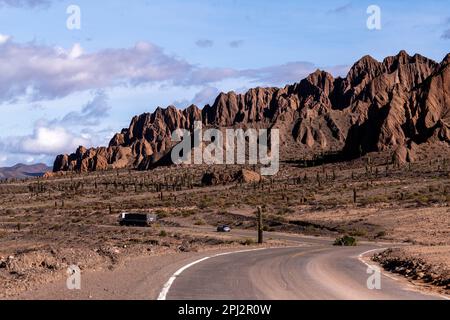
[(207, 95), (90, 115), (55, 72), (288, 73), (76, 51), (46, 140), (203, 76), (13, 159), (30, 159), (4, 38), (60, 135), (39, 72)]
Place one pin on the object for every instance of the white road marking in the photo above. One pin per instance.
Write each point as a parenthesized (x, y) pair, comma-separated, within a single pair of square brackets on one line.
[(361, 258), (165, 290), (369, 251), (169, 283)]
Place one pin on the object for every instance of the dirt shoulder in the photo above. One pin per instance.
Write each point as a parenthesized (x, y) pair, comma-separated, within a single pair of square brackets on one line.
[(423, 265)]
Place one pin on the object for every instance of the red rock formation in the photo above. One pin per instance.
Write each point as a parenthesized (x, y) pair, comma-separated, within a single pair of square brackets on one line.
[(396, 103)]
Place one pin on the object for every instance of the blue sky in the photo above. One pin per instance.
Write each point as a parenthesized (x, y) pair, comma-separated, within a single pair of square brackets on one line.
[(60, 88)]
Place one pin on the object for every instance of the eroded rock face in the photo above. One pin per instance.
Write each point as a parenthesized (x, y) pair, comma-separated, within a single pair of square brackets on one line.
[(404, 153), (378, 105), (148, 135)]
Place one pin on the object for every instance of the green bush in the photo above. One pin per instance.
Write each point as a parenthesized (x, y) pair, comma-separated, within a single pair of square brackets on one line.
[(163, 233), (346, 241)]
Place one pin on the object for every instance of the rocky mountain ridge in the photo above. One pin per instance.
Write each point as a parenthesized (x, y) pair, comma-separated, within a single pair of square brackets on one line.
[(397, 104)]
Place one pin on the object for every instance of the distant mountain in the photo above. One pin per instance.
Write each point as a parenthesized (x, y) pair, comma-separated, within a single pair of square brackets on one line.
[(22, 171), (395, 104)]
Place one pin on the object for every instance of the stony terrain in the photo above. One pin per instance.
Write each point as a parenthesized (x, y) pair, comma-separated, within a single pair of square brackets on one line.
[(430, 265)]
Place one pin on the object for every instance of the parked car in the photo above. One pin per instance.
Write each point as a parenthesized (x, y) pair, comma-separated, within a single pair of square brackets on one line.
[(137, 219), (223, 228)]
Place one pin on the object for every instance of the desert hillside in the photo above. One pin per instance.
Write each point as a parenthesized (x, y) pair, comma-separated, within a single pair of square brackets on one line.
[(20, 171)]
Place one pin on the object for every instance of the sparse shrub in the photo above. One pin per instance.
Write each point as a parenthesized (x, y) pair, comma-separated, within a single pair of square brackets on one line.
[(161, 214), (346, 241), (422, 199), (358, 233), (163, 233), (380, 234), (187, 213), (285, 210), (248, 242), (203, 204), (199, 222)]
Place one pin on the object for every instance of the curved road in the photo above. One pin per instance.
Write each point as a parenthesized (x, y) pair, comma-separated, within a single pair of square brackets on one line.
[(315, 270)]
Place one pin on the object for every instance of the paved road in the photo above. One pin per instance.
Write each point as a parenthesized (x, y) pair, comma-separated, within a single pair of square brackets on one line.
[(315, 270)]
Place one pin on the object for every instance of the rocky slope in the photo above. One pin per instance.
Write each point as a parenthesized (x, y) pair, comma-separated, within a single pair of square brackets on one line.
[(396, 104), (427, 264)]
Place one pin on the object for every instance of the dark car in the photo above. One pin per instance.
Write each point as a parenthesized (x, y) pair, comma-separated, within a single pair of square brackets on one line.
[(223, 228), (137, 219)]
